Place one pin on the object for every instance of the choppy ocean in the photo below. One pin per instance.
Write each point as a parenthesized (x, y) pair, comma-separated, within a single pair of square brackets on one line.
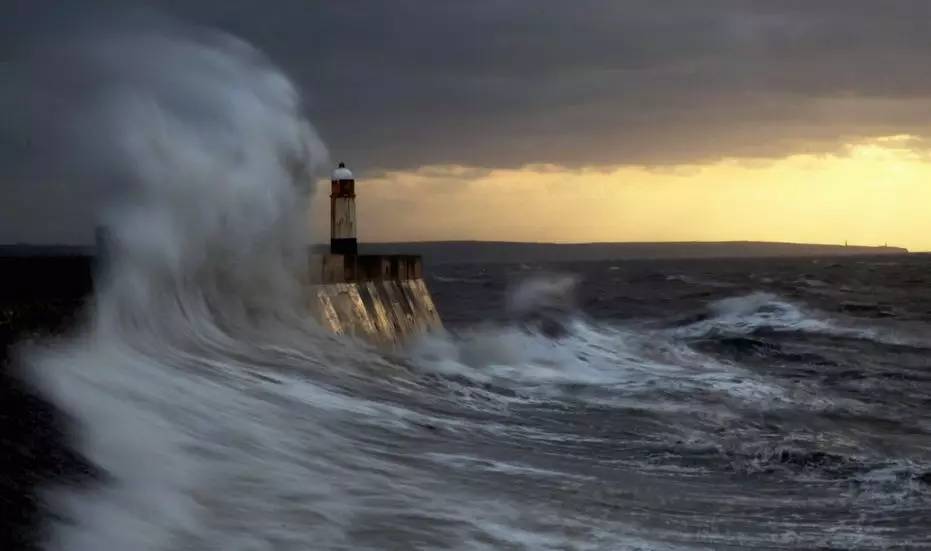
[(741, 404)]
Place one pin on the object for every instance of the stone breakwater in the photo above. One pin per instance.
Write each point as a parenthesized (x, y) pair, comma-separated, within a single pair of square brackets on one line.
[(379, 298)]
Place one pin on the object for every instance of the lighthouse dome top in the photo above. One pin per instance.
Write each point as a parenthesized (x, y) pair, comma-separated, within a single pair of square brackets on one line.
[(342, 173)]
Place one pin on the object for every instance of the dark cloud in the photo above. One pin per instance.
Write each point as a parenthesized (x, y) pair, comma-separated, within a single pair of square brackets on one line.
[(585, 82), (399, 84), (509, 82), (492, 83)]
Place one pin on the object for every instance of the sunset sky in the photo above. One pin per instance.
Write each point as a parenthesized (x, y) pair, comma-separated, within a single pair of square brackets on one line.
[(873, 192), (549, 120)]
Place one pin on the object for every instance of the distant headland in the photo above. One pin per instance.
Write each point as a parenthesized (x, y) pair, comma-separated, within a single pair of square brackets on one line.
[(448, 252)]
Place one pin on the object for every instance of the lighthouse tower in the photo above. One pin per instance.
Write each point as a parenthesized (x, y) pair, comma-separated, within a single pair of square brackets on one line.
[(343, 212)]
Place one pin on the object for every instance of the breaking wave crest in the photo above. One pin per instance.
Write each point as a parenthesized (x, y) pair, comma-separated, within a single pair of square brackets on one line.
[(760, 311), (749, 313), (202, 294)]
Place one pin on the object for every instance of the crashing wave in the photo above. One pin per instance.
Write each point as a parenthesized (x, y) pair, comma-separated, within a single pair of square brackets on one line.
[(544, 303), (747, 314)]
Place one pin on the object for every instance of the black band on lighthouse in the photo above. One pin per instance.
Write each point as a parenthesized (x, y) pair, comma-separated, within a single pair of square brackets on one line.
[(345, 246)]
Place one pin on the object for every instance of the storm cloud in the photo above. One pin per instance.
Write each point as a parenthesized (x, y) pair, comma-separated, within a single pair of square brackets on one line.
[(500, 84), (403, 84), (490, 83)]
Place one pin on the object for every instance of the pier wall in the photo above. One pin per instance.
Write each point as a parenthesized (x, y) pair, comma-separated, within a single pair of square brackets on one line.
[(379, 298)]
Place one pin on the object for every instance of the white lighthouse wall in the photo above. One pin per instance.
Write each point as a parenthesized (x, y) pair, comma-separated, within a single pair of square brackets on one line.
[(343, 221)]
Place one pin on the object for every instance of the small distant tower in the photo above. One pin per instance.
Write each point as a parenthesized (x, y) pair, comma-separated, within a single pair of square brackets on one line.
[(343, 212)]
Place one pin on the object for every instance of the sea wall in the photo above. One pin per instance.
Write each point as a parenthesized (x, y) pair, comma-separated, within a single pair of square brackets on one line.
[(379, 298)]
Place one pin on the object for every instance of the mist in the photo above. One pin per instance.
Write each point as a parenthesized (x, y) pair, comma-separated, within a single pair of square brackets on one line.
[(142, 109)]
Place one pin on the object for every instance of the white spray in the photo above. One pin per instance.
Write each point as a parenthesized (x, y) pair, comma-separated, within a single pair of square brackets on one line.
[(208, 240), (219, 162)]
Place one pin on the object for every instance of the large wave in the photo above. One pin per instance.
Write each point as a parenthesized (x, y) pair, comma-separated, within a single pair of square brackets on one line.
[(763, 311), (206, 246)]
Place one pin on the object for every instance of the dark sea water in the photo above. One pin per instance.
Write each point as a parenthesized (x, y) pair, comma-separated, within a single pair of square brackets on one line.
[(732, 404), (717, 404)]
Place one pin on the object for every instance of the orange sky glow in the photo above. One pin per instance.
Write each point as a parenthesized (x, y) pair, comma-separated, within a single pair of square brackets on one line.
[(873, 192)]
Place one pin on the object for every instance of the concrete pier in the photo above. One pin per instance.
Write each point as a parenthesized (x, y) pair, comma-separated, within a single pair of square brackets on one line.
[(379, 298)]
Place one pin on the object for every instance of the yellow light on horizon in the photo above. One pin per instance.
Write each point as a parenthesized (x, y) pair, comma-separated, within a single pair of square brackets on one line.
[(875, 192)]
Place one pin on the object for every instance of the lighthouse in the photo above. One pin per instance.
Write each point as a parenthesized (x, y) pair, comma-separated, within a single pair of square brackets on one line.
[(343, 212)]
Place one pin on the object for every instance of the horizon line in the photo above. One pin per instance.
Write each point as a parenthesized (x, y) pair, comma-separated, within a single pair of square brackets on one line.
[(677, 242)]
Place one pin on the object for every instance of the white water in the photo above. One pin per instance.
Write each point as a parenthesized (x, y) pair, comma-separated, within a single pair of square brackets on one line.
[(206, 241)]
